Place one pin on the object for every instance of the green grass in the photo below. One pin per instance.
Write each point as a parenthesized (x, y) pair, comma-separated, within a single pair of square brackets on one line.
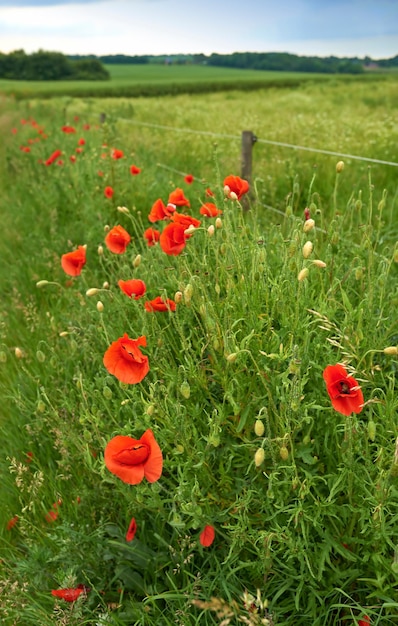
[(152, 80), (314, 527)]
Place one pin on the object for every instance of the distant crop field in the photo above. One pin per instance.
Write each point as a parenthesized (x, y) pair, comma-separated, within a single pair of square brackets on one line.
[(148, 80)]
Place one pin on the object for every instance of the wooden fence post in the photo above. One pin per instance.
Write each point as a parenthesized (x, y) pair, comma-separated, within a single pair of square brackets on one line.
[(102, 118), (248, 140)]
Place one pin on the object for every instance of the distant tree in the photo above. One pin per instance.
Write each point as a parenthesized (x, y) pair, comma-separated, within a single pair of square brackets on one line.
[(43, 65)]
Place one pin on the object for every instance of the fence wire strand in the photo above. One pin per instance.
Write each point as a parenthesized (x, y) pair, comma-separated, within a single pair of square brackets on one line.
[(265, 141)]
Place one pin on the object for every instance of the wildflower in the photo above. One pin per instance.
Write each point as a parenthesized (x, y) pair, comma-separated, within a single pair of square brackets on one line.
[(235, 185), (132, 529), (117, 240), (54, 156), (11, 522), (343, 390), (207, 536), (173, 239), (365, 621), (25, 148), (73, 262), (51, 516), (189, 179), (72, 158), (81, 142), (160, 211), (133, 287), (68, 129), (134, 170), (152, 236), (79, 150), (209, 209), (108, 191), (117, 154), (158, 304), (185, 220), (125, 360), (86, 126), (209, 193), (132, 460), (70, 594), (178, 198)]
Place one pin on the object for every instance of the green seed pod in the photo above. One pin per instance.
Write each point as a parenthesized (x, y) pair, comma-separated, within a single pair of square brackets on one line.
[(150, 410), (41, 407)]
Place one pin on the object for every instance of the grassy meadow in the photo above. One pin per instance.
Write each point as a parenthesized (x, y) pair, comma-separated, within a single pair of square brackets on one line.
[(261, 353)]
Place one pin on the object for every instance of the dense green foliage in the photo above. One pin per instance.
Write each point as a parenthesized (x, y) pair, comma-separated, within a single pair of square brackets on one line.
[(314, 526), (43, 65)]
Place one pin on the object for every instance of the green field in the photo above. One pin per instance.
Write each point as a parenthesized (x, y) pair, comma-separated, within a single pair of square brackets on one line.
[(147, 80), (302, 496)]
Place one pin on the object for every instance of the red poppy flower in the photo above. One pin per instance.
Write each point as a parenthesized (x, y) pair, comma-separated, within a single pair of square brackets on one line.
[(209, 209), (132, 460), (117, 240), (14, 131), (60, 162), (51, 516), (189, 179), (158, 304), (79, 150), (125, 360), (185, 220), (236, 185), (86, 126), (207, 535), (71, 594), (73, 262), (132, 529), (81, 142), (11, 523), (365, 621), (100, 173), (173, 239), (25, 148), (108, 192), (160, 211), (134, 170), (152, 236), (117, 154), (134, 287), (343, 390), (68, 129), (178, 198), (72, 158)]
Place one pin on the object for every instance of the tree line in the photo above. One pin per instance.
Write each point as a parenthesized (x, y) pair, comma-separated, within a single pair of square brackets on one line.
[(44, 65)]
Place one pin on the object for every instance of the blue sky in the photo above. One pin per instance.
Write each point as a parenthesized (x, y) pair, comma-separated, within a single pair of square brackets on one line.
[(305, 27)]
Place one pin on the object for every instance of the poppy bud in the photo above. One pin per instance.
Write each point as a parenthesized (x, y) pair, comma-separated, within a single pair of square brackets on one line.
[(137, 260), (303, 274), (106, 228), (307, 249), (319, 263), (92, 292), (123, 209), (3, 357), (391, 350), (100, 250), (188, 291), (308, 225), (41, 283), (210, 230), (227, 191), (107, 393), (371, 430), (191, 229), (259, 428), (259, 457), (231, 358), (185, 389), (64, 333), (105, 285), (339, 167), (40, 356), (218, 222), (100, 306), (178, 297), (150, 410), (395, 256), (284, 453), (18, 353)]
